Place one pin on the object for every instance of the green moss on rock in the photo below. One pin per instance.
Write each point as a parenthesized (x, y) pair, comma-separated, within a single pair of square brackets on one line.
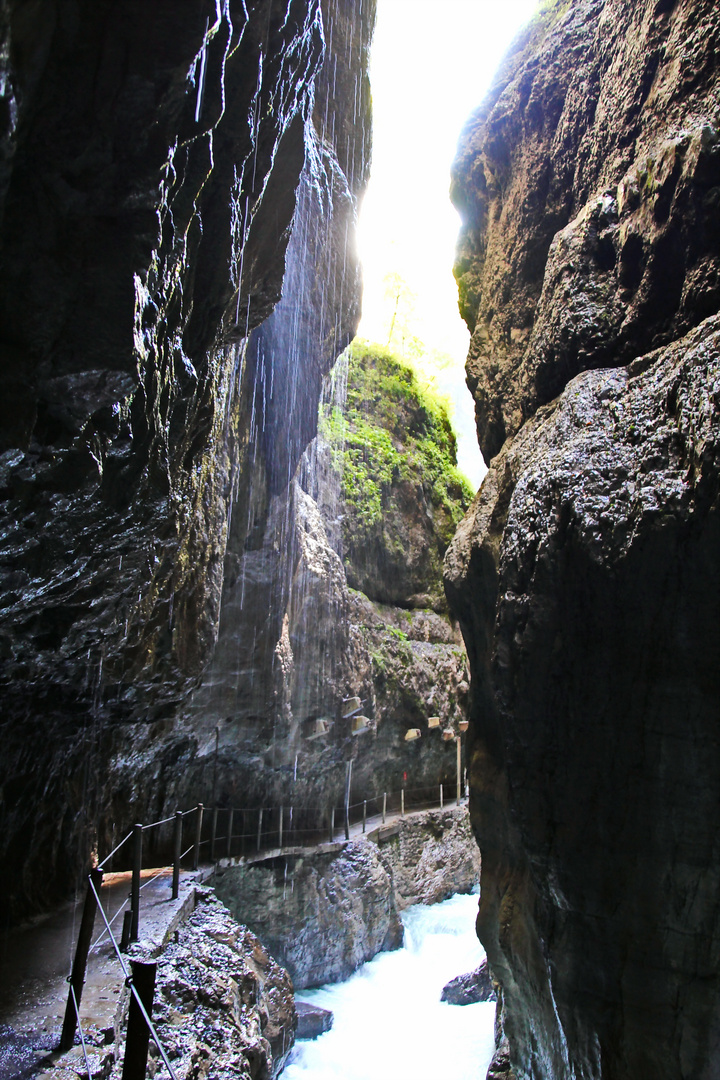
[(402, 494)]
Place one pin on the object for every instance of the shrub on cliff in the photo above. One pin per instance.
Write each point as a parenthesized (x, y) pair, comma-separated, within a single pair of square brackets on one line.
[(402, 494)]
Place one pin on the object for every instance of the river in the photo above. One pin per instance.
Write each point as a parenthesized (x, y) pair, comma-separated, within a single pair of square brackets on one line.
[(389, 1021)]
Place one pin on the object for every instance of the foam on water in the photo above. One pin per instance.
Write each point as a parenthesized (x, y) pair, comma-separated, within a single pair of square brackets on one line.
[(389, 1021)]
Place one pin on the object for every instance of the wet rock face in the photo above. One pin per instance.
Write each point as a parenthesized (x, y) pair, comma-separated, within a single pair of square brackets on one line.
[(433, 856), (322, 915), (586, 573), (148, 184), (468, 989), (222, 1005), (588, 184), (295, 641), (326, 912)]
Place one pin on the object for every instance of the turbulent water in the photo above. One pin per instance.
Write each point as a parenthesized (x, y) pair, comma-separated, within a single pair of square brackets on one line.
[(389, 1020)]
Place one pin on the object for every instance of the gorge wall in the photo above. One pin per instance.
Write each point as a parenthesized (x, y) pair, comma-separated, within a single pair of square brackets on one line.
[(585, 574), (308, 622), (154, 166)]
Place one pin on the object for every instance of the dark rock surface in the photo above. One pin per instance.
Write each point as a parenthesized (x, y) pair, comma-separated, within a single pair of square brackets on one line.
[(312, 1020), (223, 1007), (587, 183), (154, 166), (324, 913), (586, 574), (470, 988)]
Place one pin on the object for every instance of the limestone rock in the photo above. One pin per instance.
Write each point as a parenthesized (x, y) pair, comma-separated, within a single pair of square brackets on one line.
[(432, 857), (471, 988), (149, 426), (586, 573), (586, 183), (221, 1002), (312, 1020), (322, 915)]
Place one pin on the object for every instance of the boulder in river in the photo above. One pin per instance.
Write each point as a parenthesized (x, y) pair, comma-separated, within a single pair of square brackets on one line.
[(470, 988), (312, 1020)]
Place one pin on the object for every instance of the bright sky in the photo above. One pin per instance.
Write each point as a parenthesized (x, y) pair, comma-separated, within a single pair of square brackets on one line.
[(431, 65)]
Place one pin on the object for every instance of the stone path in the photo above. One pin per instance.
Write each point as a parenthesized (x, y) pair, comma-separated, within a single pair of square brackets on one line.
[(35, 960)]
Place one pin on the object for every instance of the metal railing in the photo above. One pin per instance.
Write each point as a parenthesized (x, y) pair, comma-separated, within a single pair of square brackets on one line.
[(261, 829)]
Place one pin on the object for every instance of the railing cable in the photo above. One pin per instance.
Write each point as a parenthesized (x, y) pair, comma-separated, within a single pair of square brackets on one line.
[(80, 1030), (101, 866), (129, 984)]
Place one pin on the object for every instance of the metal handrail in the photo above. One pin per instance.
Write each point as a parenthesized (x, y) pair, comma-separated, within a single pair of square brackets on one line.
[(131, 987)]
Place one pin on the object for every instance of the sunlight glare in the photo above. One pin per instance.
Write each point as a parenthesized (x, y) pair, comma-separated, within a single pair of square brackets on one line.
[(431, 65)]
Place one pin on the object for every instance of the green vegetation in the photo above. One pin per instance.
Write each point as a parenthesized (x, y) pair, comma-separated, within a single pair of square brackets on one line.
[(392, 433)]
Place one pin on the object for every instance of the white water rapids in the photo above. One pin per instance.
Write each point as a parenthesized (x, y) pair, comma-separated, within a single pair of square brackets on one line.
[(389, 1021)]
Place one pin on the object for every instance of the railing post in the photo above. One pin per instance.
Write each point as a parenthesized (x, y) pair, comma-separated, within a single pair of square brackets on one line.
[(229, 836), (259, 835), (138, 1033), (135, 886), (384, 805), (213, 834), (459, 753), (364, 813), (402, 802), (198, 833), (177, 852), (126, 927), (77, 978), (441, 797), (348, 781), (281, 828), (332, 824)]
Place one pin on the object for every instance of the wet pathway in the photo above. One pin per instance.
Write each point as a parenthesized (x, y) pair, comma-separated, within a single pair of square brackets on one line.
[(36, 958)]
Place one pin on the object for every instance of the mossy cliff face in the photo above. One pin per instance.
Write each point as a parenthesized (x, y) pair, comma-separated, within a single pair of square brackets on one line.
[(401, 495), (586, 573), (295, 638), (154, 166)]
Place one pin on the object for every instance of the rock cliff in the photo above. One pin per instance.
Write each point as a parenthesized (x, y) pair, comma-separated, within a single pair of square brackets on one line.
[(586, 574), (324, 913), (154, 167), (265, 727)]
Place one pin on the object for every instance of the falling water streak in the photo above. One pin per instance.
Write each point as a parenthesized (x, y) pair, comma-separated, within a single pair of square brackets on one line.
[(201, 79)]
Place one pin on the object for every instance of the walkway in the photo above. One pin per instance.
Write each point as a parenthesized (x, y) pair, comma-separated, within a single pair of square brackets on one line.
[(35, 959)]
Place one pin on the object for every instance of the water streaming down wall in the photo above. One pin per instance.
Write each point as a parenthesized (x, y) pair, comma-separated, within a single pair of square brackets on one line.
[(132, 405), (262, 684)]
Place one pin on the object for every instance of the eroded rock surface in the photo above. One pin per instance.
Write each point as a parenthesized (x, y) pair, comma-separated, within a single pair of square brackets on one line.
[(324, 913), (470, 988), (586, 573), (588, 187), (154, 167), (433, 857)]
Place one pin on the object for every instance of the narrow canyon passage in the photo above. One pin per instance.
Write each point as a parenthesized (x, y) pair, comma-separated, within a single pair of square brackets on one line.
[(245, 582)]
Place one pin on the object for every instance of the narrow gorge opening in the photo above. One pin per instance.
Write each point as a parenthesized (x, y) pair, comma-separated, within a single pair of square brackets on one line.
[(259, 637)]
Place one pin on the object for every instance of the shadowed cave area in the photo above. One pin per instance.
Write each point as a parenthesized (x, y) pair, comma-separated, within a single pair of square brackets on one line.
[(239, 568)]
